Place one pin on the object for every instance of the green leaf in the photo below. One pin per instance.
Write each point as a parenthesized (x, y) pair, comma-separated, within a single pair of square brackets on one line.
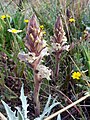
[(48, 102), (10, 113), (24, 103), (20, 115), (58, 117), (3, 50), (47, 108), (20, 41)]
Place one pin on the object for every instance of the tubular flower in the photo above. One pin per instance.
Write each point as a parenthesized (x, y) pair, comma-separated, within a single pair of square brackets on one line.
[(71, 20), (44, 72), (14, 30), (59, 39), (28, 58), (76, 75)]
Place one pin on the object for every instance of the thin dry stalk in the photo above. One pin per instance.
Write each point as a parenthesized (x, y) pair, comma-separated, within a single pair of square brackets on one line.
[(67, 107), (66, 97), (2, 117)]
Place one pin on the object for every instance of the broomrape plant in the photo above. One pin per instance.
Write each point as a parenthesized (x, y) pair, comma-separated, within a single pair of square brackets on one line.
[(37, 48), (12, 31), (59, 43)]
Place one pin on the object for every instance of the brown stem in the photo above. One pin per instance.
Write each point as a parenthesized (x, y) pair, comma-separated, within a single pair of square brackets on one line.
[(57, 65), (37, 84), (69, 100)]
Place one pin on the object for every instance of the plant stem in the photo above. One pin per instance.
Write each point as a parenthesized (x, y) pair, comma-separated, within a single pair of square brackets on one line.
[(37, 84), (57, 65), (11, 91)]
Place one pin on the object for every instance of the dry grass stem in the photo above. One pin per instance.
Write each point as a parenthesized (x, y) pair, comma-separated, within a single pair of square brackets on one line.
[(2, 117), (65, 108)]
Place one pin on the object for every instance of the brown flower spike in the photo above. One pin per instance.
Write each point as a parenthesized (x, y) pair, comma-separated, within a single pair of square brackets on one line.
[(59, 43), (37, 48)]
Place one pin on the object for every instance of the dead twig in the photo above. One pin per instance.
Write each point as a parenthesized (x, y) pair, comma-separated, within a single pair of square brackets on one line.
[(67, 107), (2, 117)]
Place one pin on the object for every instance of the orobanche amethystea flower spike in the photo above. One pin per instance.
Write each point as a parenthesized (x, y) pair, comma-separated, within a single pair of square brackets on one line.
[(37, 48), (59, 43), (35, 43), (59, 39)]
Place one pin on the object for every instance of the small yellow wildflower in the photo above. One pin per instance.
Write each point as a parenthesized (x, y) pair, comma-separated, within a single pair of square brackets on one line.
[(76, 75), (44, 32), (71, 20), (5, 16), (41, 27), (14, 30), (26, 20)]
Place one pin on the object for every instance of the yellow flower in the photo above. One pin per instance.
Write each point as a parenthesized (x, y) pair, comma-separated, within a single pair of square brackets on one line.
[(26, 20), (41, 27), (71, 20), (44, 32), (76, 75), (14, 30), (4, 16)]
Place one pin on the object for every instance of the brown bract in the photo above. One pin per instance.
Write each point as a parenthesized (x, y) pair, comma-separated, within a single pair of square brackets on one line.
[(58, 31), (34, 35)]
